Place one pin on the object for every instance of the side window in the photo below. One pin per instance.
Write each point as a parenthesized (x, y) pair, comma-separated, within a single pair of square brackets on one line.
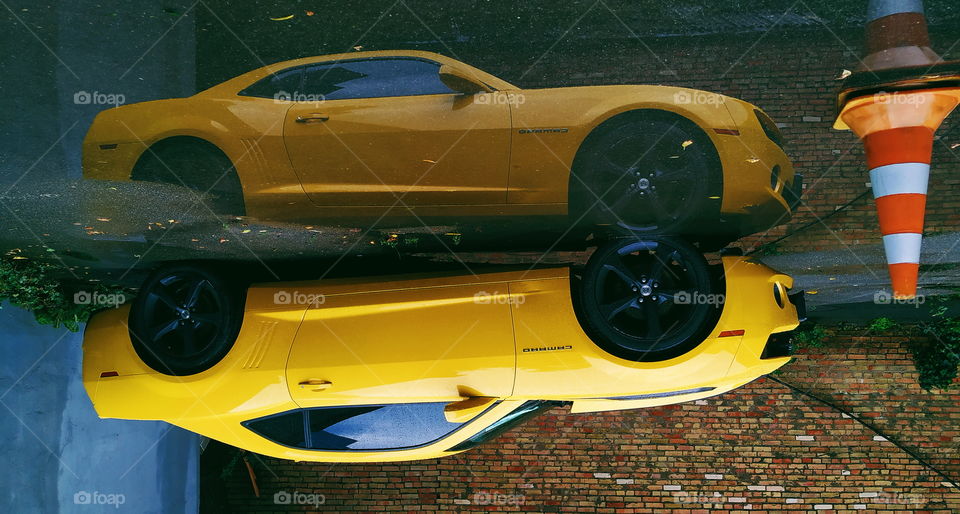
[(373, 78), (383, 427), (369, 427), (281, 85), (286, 429), (524, 412)]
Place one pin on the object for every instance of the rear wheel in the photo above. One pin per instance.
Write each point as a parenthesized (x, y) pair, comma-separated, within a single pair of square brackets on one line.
[(197, 165), (647, 299), (647, 174), (185, 319)]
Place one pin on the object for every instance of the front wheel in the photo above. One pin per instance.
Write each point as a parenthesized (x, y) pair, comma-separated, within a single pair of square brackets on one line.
[(647, 176), (185, 319), (647, 299)]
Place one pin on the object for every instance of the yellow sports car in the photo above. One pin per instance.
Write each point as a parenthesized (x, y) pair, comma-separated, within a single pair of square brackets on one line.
[(407, 135), (415, 367)]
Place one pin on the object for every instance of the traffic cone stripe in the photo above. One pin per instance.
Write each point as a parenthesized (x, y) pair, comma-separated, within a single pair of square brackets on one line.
[(877, 9), (901, 213), (902, 178), (903, 278), (904, 144), (902, 248)]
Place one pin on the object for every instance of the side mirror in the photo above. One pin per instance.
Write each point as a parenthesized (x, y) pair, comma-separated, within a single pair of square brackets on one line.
[(461, 82), (466, 409)]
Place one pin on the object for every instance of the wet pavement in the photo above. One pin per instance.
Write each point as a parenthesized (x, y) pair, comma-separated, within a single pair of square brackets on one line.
[(116, 231)]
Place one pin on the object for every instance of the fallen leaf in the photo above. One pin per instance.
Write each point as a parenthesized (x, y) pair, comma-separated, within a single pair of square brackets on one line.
[(812, 292), (283, 18), (310, 13)]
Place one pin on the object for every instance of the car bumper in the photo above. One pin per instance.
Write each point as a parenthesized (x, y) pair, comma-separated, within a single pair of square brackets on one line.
[(760, 186)]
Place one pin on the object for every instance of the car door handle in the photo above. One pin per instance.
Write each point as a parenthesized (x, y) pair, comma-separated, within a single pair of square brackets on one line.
[(314, 117), (316, 384)]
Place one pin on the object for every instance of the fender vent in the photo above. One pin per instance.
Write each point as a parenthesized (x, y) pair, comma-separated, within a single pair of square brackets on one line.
[(265, 331)]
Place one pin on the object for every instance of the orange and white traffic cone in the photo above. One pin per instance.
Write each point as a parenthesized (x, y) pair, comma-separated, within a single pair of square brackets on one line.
[(897, 133), (897, 128)]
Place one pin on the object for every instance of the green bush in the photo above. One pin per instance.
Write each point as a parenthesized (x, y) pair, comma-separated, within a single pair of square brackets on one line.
[(881, 325), (33, 286), (937, 360), (810, 335)]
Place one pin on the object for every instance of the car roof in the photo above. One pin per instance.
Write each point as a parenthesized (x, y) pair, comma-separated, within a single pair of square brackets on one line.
[(235, 84)]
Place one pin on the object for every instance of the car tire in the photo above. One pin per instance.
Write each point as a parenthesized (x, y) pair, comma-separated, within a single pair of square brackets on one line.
[(647, 299), (196, 165), (185, 319), (647, 173)]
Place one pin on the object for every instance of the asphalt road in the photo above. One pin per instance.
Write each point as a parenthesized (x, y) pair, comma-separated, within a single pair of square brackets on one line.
[(115, 231)]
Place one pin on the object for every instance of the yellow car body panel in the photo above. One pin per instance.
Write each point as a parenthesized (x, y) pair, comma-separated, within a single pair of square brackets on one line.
[(507, 336), (556, 359), (503, 153), (376, 346)]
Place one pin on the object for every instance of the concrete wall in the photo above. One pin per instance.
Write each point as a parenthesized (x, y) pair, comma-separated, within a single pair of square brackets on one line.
[(58, 51), (59, 456)]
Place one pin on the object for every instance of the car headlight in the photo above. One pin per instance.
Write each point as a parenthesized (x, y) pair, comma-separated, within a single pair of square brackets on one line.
[(770, 127)]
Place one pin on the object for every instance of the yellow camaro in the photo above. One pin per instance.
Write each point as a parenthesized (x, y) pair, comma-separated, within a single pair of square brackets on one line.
[(408, 135), (415, 367)]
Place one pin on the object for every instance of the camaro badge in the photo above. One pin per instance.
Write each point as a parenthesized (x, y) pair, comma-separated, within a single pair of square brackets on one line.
[(548, 349), (544, 130)]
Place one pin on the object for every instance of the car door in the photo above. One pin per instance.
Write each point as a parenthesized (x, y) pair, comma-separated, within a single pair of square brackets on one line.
[(441, 340), (386, 131)]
